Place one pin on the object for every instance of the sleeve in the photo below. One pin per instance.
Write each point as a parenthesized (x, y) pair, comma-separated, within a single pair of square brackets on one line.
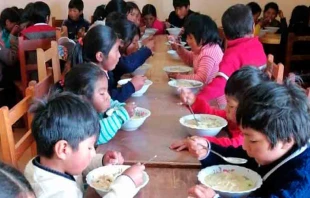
[(185, 55), (213, 90), (123, 187), (123, 93), (235, 141), (96, 162), (115, 103), (9, 56), (201, 106), (65, 23)]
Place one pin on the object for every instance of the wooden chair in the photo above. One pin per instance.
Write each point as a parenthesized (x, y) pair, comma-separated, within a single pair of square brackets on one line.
[(43, 57), (223, 37), (289, 57), (12, 150), (26, 46), (57, 22), (275, 71)]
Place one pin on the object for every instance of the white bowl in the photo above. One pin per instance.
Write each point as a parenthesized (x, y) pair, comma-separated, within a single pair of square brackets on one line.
[(182, 43), (262, 32), (174, 31), (110, 170), (150, 31), (177, 70), (253, 176), (200, 131), (142, 69), (182, 83), (140, 92), (272, 29), (174, 55), (135, 122)]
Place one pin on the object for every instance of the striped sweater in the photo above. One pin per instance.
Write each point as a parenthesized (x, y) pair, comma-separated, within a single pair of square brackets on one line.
[(110, 125)]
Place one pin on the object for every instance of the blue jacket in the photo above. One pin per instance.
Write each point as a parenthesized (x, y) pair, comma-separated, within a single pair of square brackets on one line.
[(290, 180), (122, 93), (75, 26)]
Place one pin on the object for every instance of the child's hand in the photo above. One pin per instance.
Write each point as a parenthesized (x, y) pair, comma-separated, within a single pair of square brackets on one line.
[(138, 82), (200, 191), (113, 158), (130, 108), (15, 30), (187, 96), (197, 147), (281, 15), (179, 145), (135, 172)]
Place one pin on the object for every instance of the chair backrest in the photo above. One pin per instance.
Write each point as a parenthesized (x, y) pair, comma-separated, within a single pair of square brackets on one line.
[(45, 56), (275, 71), (12, 150), (57, 22), (26, 46), (289, 56), (223, 37)]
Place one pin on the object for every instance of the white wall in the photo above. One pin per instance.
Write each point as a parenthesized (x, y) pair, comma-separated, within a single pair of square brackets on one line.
[(214, 8)]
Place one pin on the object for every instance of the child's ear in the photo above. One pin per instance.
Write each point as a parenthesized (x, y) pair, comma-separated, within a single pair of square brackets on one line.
[(47, 19), (100, 57), (62, 149)]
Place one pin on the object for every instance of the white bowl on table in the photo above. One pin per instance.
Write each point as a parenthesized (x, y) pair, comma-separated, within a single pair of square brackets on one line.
[(113, 171), (255, 179), (271, 29), (174, 31), (150, 31), (142, 69), (174, 55), (140, 92), (137, 120), (201, 130), (193, 85), (172, 70)]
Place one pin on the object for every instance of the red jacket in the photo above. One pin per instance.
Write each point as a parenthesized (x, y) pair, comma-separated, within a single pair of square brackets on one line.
[(235, 138), (240, 52)]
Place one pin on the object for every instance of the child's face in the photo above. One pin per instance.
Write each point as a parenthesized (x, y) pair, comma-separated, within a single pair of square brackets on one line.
[(9, 25), (191, 41), (113, 57), (231, 108), (101, 97), (149, 20), (256, 17), (133, 16), (257, 146), (182, 11), (270, 14), (134, 46), (74, 14), (78, 160)]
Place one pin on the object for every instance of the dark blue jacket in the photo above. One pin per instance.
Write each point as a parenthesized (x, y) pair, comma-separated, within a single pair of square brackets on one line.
[(122, 93), (75, 26), (290, 180)]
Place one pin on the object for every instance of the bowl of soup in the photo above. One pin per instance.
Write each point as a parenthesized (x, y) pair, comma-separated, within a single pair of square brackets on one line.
[(173, 70), (140, 92), (230, 180), (193, 85), (271, 29), (208, 125), (150, 31), (103, 177), (142, 69), (137, 119), (174, 31)]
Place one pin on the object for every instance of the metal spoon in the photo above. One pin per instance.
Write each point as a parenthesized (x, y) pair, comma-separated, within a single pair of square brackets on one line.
[(151, 159), (232, 160), (192, 112)]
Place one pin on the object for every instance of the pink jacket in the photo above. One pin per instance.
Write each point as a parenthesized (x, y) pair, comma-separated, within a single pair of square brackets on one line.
[(160, 26)]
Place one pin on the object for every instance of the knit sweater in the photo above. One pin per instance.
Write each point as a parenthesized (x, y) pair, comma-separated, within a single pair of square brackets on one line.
[(110, 125), (239, 53), (290, 180), (235, 138)]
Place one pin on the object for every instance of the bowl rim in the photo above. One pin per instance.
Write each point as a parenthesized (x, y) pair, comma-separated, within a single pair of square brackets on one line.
[(269, 27), (172, 52), (151, 29), (259, 181), (182, 119), (187, 68), (170, 83), (129, 79), (175, 28), (145, 110)]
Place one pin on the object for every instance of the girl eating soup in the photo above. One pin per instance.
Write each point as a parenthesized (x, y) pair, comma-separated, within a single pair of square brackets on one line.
[(149, 15)]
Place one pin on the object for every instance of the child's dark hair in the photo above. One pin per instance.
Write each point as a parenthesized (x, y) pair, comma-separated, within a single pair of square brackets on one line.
[(39, 12), (180, 3), (26, 14), (115, 6), (62, 116), (203, 28), (13, 183), (77, 4), (10, 14), (255, 8), (98, 39), (149, 9), (99, 14), (243, 79), (113, 17), (272, 5), (130, 6), (299, 19), (81, 79), (237, 21), (281, 112)]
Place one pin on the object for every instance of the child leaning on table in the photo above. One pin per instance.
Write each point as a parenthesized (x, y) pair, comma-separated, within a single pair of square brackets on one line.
[(90, 82), (239, 82), (65, 128), (275, 122)]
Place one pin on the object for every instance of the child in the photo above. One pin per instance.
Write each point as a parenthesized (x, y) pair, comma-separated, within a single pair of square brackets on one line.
[(179, 15), (99, 14), (101, 47), (242, 49), (65, 129), (91, 82), (271, 12), (299, 22), (275, 122), (115, 6), (149, 16), (239, 82), (256, 12), (13, 184), (75, 26), (133, 12)]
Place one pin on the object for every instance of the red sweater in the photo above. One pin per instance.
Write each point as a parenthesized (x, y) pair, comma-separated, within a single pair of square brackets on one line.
[(240, 52), (235, 135)]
